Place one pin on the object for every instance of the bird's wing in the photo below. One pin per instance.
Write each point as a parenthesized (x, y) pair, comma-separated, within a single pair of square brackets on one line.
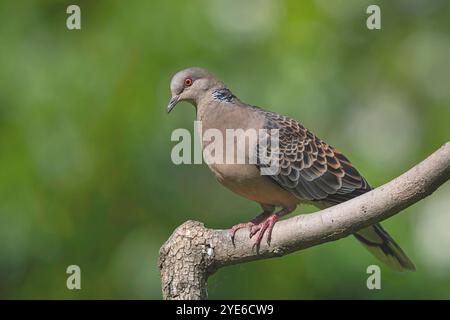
[(312, 170), (309, 168)]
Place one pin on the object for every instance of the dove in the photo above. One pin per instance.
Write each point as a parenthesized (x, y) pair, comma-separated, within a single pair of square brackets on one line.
[(310, 170)]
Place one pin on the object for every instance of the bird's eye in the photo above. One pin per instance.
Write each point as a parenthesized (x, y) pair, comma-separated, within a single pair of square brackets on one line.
[(188, 82)]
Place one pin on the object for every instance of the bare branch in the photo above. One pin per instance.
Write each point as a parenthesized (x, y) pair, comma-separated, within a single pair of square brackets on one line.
[(194, 252)]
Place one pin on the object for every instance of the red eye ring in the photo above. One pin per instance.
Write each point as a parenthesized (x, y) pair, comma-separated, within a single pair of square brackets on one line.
[(188, 82)]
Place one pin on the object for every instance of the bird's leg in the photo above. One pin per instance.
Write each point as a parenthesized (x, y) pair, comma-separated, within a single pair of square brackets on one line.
[(268, 210), (267, 225)]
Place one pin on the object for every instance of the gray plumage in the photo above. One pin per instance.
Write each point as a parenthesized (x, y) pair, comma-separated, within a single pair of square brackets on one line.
[(311, 171)]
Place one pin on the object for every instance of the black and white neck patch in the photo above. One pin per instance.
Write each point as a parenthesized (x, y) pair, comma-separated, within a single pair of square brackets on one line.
[(223, 94)]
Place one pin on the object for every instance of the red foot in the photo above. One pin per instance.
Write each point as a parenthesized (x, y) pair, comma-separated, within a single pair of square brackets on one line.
[(260, 225), (262, 228), (250, 225)]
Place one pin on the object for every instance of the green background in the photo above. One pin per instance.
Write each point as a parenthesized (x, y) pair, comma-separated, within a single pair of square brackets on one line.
[(86, 176)]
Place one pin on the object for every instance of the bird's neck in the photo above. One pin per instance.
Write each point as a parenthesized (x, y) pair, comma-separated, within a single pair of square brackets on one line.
[(223, 95), (218, 99)]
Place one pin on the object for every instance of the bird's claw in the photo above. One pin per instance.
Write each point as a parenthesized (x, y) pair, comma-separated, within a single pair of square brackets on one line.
[(254, 230), (235, 228), (259, 229)]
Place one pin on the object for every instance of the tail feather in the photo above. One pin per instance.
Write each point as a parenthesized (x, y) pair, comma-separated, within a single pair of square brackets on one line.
[(382, 246)]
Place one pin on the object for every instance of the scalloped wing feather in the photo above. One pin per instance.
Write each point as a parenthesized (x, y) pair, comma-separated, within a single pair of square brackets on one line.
[(309, 168)]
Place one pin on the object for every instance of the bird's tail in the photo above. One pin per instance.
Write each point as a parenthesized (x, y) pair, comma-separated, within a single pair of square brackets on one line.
[(382, 246)]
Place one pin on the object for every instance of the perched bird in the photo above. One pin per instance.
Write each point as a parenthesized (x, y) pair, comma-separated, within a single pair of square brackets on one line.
[(310, 171)]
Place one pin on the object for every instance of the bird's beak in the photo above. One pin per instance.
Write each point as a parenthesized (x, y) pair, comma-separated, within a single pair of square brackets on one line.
[(172, 103)]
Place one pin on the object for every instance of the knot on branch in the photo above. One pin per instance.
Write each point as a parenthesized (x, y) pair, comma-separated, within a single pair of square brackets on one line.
[(185, 259)]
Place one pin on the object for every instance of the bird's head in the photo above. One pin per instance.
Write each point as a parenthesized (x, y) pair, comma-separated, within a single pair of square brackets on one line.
[(190, 85)]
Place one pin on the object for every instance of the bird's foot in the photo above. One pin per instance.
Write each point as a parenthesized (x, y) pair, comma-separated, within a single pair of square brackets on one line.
[(262, 224), (249, 225), (266, 226)]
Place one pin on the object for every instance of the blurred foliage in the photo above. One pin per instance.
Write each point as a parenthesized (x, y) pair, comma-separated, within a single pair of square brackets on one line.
[(85, 144)]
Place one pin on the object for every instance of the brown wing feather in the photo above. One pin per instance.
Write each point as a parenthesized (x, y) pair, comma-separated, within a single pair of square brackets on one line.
[(310, 168)]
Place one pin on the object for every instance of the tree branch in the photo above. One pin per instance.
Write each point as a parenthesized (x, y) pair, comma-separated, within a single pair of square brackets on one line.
[(194, 252)]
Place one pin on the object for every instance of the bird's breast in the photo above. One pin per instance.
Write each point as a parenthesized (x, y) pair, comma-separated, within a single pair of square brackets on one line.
[(246, 181), (229, 136)]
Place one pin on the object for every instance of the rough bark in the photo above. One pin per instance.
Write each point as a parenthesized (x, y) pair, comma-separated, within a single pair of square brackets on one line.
[(194, 252)]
